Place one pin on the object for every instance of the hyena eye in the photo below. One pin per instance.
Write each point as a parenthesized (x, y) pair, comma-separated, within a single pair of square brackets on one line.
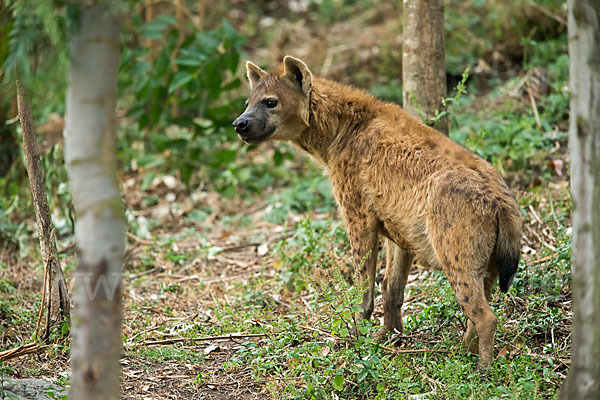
[(271, 103)]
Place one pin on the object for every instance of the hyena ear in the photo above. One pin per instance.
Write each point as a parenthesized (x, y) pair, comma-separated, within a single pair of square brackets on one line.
[(255, 74), (298, 72)]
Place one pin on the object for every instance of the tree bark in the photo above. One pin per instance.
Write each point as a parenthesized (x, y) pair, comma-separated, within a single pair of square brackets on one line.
[(57, 297), (90, 154), (424, 59), (583, 381)]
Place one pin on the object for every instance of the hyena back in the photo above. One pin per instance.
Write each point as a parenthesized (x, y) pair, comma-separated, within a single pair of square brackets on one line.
[(395, 177)]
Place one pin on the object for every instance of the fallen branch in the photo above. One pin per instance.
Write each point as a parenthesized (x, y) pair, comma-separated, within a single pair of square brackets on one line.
[(407, 351), (239, 247), (140, 240), (23, 350), (390, 349), (262, 381), (322, 332), (544, 259), (147, 272), (198, 339), (209, 281)]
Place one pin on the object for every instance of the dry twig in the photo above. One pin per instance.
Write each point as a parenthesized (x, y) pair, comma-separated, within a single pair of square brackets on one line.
[(22, 350), (197, 339)]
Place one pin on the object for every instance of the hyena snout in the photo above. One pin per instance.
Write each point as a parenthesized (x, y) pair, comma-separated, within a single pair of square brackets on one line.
[(251, 128), (241, 124)]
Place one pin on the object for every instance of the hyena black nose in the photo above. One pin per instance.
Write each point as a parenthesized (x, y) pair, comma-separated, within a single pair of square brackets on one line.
[(241, 124)]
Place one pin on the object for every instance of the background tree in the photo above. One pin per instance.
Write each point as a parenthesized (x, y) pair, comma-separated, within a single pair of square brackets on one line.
[(20, 26), (424, 59), (56, 295), (583, 381), (90, 153)]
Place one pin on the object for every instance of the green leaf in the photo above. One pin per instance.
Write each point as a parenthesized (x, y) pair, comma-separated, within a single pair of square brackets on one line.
[(180, 79), (190, 57), (188, 61), (278, 158), (147, 181), (187, 170), (362, 374), (207, 41), (225, 156), (338, 382), (154, 29), (150, 161)]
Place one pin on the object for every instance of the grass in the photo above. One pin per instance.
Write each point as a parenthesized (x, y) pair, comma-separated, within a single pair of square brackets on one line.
[(336, 365), (303, 303)]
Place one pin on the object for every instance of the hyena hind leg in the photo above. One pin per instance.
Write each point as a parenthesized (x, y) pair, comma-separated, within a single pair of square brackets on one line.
[(473, 300), (470, 339)]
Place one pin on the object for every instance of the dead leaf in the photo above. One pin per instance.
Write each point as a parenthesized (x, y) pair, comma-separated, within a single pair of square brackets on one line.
[(504, 352), (210, 348), (262, 249), (558, 166)]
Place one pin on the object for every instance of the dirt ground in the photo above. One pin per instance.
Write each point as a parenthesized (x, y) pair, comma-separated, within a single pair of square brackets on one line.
[(182, 289)]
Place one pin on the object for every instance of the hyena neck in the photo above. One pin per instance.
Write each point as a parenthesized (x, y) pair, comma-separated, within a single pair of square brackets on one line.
[(336, 112)]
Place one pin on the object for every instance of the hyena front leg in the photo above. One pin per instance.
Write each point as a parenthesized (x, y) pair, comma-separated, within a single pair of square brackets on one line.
[(363, 240), (397, 267), (362, 226)]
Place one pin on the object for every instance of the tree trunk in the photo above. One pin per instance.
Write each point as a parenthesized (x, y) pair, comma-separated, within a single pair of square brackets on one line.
[(90, 154), (424, 60), (56, 298), (583, 381)]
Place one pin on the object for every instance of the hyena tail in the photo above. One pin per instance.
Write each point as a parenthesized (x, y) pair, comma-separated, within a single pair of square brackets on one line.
[(508, 246)]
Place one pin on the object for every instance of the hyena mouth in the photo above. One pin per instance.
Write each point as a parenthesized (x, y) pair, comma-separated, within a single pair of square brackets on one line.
[(258, 139)]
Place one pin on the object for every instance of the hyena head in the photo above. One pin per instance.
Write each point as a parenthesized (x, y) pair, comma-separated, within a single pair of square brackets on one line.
[(278, 105)]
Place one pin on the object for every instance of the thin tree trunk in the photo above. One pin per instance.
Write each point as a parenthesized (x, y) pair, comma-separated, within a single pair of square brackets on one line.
[(424, 59), (57, 297), (90, 153), (583, 381)]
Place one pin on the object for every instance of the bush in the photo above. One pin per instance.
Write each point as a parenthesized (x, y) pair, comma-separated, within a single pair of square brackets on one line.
[(187, 82)]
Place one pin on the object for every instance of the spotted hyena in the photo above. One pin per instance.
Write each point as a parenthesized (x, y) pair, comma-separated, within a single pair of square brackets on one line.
[(395, 177)]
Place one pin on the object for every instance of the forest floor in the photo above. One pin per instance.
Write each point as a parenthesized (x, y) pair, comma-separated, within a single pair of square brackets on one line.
[(220, 303)]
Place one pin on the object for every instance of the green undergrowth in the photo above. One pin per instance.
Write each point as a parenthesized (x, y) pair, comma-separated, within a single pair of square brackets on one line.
[(304, 303), (332, 363), (502, 127)]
